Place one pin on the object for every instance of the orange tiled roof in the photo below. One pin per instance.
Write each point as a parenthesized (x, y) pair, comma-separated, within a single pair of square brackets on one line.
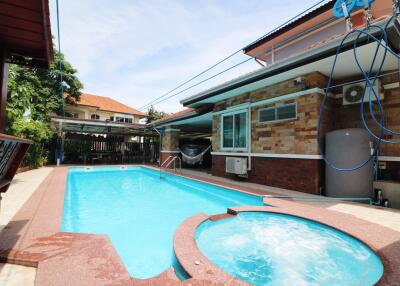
[(106, 104), (174, 115)]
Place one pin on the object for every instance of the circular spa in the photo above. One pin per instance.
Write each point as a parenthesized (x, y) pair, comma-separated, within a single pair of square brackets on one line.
[(276, 249)]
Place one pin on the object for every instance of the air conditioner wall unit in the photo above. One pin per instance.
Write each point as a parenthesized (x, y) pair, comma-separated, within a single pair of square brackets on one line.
[(352, 93), (236, 165)]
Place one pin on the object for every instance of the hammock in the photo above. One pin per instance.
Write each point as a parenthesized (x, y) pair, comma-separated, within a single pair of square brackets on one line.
[(192, 160)]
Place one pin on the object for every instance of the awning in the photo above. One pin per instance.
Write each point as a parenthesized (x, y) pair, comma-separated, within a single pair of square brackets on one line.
[(101, 127)]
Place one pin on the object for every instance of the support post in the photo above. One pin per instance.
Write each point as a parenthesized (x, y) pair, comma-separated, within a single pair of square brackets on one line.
[(3, 89)]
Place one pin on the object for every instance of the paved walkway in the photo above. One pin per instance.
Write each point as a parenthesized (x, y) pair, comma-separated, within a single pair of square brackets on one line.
[(16, 275), (22, 187), (383, 216), (26, 183)]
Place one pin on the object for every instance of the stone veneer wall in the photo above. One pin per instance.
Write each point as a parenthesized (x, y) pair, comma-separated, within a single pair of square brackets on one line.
[(299, 136), (170, 140), (288, 137), (170, 144)]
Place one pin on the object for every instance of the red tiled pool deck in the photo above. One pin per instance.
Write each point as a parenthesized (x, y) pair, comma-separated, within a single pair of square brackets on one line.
[(33, 238)]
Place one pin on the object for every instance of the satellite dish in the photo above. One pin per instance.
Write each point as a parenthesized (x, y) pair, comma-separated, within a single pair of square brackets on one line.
[(350, 5), (354, 93)]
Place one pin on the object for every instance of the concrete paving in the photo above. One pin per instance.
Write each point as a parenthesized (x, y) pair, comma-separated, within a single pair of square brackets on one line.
[(16, 275), (379, 215), (22, 187)]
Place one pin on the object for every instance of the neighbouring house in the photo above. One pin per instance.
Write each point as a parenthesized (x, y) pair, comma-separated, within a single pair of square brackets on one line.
[(269, 117), (99, 129), (95, 107)]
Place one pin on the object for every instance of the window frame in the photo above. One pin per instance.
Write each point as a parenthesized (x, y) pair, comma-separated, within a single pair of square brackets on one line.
[(233, 113), (276, 114), (97, 116), (123, 118)]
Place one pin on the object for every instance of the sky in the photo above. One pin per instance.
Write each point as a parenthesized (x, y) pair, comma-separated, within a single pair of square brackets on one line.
[(135, 51)]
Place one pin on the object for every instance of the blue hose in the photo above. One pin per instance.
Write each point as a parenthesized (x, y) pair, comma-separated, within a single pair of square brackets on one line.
[(368, 83)]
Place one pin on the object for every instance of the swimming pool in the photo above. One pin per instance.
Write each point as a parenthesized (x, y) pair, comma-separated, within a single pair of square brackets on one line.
[(276, 249), (139, 211)]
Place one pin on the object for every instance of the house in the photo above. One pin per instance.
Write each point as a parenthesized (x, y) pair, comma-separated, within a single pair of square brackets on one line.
[(269, 117), (94, 114), (99, 129), (95, 107)]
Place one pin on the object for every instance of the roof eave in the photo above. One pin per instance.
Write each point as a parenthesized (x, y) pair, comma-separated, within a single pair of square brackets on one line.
[(319, 10), (170, 120), (47, 32)]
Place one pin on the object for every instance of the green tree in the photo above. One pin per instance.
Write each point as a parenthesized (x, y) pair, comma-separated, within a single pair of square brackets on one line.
[(153, 114), (39, 91), (36, 93), (40, 133)]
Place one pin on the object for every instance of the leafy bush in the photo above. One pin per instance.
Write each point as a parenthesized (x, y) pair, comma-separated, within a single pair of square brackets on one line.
[(41, 134)]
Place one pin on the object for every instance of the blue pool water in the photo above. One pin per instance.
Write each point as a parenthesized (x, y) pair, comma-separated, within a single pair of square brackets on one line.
[(275, 249), (139, 211)]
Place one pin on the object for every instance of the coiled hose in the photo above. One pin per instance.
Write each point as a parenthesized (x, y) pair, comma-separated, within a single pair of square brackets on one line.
[(370, 79)]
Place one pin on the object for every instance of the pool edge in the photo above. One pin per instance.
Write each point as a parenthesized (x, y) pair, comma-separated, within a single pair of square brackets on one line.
[(379, 242), (31, 238)]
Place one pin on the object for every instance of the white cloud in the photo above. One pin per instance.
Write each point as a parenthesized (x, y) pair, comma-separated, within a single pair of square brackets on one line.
[(134, 51)]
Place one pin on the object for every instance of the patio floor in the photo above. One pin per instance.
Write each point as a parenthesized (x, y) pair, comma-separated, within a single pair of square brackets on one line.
[(17, 275), (45, 247), (379, 215), (22, 187)]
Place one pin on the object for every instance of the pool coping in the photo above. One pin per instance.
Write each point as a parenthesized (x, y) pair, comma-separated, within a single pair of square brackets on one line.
[(33, 238), (383, 241)]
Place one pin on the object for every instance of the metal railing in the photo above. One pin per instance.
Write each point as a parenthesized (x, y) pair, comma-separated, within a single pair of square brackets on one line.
[(167, 163), (319, 198)]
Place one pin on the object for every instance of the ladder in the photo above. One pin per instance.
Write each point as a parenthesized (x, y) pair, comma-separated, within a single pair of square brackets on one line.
[(167, 163)]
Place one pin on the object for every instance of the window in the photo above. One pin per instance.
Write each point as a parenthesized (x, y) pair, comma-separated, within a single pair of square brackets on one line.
[(95, 117), (75, 115), (111, 118), (234, 131), (277, 113), (123, 119)]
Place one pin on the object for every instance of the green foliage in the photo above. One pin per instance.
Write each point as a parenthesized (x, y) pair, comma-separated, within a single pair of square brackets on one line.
[(39, 91), (154, 115), (40, 133), (36, 93)]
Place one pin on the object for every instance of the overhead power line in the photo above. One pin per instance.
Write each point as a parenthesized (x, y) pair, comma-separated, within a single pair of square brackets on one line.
[(163, 97)]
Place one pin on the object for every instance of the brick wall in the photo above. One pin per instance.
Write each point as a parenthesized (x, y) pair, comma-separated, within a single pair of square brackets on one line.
[(296, 174), (292, 136), (288, 137), (349, 116), (300, 136)]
